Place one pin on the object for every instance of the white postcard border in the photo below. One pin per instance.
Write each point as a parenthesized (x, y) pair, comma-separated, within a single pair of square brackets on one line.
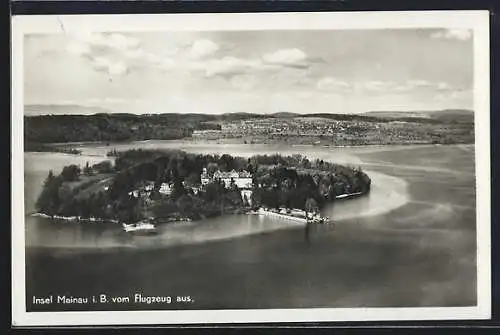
[(478, 21)]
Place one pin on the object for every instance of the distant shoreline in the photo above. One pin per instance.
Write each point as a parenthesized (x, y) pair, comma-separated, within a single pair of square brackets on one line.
[(222, 142), (332, 130)]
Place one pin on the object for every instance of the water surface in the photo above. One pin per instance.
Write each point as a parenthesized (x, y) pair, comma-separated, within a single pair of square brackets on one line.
[(410, 242)]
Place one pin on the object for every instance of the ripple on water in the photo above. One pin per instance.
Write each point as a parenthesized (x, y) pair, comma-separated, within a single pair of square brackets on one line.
[(387, 194)]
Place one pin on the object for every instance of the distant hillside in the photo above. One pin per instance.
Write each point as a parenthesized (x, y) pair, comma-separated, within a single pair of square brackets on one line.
[(237, 116), (85, 124), (72, 123), (285, 115), (446, 115), (30, 110)]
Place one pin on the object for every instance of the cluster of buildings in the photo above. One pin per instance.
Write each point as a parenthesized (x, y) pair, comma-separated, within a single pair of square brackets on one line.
[(285, 126), (242, 179), (165, 189), (144, 190), (342, 132), (209, 134)]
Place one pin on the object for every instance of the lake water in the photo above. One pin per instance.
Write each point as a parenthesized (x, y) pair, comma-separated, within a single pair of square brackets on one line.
[(410, 242)]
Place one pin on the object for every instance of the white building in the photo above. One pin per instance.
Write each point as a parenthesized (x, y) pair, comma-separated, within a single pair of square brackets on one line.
[(205, 178), (165, 189), (144, 190), (135, 193), (242, 179)]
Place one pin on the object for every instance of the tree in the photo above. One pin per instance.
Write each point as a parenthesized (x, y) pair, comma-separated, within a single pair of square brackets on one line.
[(50, 178), (331, 192), (178, 188), (64, 192), (232, 185), (211, 192), (193, 178), (227, 162), (48, 202), (311, 205), (211, 168), (185, 204), (160, 178), (104, 167), (246, 202), (183, 166), (87, 170), (250, 167), (70, 172), (233, 198)]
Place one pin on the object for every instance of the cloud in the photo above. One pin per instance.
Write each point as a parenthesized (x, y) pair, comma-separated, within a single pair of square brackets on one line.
[(293, 60), (120, 54), (111, 67), (377, 86), (443, 87), (287, 57), (227, 66), (390, 87), (332, 84), (305, 95), (141, 58), (456, 34), (109, 40), (418, 83), (97, 48), (455, 98), (115, 100), (79, 48), (117, 68), (244, 82), (202, 49), (426, 85)]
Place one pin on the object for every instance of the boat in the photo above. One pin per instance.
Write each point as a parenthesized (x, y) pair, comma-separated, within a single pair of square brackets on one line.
[(348, 195), (139, 227)]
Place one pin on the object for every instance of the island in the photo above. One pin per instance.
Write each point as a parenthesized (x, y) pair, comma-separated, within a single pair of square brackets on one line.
[(161, 186)]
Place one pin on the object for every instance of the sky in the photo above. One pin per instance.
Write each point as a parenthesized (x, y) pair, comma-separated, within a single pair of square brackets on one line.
[(327, 71)]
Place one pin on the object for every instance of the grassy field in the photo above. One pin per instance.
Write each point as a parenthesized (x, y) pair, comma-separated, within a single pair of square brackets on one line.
[(87, 185)]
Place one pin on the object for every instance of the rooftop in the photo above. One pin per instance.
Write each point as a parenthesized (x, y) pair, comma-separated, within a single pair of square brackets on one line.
[(232, 174)]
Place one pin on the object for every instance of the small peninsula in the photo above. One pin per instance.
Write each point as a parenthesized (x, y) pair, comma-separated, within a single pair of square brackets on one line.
[(172, 185)]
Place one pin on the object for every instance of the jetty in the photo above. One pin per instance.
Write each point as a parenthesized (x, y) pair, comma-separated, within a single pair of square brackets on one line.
[(297, 215)]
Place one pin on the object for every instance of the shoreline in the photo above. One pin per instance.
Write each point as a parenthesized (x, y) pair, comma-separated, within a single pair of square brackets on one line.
[(226, 142), (73, 218), (162, 221), (179, 233)]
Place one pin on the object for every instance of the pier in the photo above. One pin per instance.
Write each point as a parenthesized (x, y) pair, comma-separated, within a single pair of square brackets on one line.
[(297, 215)]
